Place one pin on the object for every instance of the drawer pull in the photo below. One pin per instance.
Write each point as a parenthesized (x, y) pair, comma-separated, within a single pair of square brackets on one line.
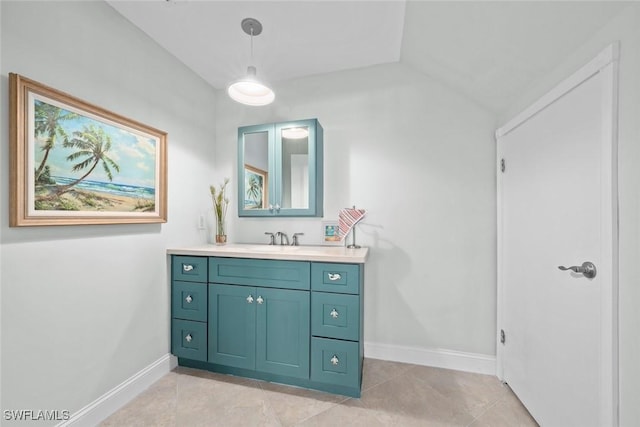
[(188, 299), (188, 338), (259, 300), (187, 267), (334, 313), (335, 360), (334, 276), (250, 299)]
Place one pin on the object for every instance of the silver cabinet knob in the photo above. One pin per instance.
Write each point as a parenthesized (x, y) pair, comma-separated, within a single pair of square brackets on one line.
[(334, 276), (188, 338), (334, 313), (277, 208), (188, 299), (335, 360), (259, 300), (187, 267), (250, 299)]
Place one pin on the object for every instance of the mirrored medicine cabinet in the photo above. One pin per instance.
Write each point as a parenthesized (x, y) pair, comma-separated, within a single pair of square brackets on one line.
[(280, 169)]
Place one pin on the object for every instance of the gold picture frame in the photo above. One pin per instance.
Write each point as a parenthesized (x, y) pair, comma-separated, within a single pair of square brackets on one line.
[(74, 163), (256, 184)]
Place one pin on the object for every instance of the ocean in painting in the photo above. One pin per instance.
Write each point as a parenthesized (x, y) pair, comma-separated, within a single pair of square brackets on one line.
[(109, 188)]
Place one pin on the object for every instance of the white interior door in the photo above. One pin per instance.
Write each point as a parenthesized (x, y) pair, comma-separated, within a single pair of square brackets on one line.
[(557, 207)]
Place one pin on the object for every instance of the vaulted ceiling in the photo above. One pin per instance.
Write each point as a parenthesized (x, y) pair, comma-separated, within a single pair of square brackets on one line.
[(489, 51)]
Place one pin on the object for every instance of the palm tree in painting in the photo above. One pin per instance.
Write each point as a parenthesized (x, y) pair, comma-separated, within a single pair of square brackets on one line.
[(93, 144), (47, 123), (254, 190)]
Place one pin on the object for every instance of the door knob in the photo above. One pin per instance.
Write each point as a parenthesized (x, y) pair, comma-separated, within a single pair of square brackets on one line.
[(587, 268)]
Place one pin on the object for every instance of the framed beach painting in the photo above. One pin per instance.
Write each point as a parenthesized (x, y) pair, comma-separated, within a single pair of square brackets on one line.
[(331, 233), (256, 185), (72, 162)]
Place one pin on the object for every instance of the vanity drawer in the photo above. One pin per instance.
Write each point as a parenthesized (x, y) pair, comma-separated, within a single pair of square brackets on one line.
[(189, 301), (260, 272), (341, 278), (189, 268), (189, 339), (335, 315), (335, 362)]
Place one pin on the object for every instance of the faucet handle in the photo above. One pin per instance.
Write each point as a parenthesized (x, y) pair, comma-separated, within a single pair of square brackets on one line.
[(295, 238), (272, 238)]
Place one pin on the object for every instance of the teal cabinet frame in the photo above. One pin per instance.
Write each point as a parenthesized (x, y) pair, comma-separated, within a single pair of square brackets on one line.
[(275, 171)]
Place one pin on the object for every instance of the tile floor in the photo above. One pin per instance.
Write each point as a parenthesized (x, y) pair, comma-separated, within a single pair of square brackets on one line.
[(393, 394)]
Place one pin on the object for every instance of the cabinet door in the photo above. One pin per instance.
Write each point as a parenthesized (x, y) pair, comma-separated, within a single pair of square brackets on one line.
[(299, 162), (189, 268), (189, 301), (283, 336), (232, 325), (189, 339), (256, 169)]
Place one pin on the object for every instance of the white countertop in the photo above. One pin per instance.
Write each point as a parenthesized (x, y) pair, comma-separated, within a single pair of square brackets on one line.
[(293, 253)]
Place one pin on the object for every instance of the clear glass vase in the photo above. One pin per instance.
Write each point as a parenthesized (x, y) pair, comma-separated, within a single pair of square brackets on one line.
[(221, 231)]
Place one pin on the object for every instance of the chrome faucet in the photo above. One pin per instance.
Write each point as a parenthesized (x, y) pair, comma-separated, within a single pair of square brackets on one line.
[(272, 238), (283, 237), (295, 238)]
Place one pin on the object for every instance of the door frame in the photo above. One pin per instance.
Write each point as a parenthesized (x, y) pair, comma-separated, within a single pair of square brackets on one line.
[(605, 63)]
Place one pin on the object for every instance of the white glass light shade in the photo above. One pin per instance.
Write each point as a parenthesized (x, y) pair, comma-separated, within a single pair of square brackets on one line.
[(250, 91), (295, 133)]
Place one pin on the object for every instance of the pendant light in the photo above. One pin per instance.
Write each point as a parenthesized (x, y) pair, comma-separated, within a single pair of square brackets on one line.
[(249, 90)]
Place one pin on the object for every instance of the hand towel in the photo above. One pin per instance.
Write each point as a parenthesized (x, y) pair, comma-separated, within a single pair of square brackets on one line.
[(348, 218)]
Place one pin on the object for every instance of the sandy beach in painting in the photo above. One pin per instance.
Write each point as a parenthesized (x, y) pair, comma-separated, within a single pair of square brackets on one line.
[(93, 201)]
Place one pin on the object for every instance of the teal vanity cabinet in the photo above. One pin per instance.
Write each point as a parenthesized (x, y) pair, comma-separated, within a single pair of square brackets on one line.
[(189, 307), (280, 169), (291, 321)]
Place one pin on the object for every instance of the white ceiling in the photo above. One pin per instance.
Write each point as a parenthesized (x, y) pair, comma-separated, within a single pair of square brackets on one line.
[(489, 51), (493, 51), (299, 38)]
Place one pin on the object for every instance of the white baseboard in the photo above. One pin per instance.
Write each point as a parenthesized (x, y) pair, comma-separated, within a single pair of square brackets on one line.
[(438, 358), (116, 398)]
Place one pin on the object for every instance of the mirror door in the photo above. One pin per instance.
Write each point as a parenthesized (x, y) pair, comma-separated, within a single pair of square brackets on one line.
[(294, 159), (255, 164)]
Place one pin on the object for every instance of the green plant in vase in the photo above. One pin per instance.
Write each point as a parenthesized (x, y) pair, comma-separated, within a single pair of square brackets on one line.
[(220, 205)]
